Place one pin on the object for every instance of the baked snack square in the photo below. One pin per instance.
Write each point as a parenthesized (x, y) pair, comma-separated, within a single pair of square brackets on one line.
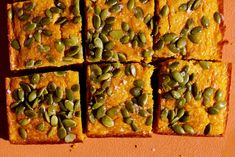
[(119, 30), (193, 98), (44, 34), (119, 100), (44, 108), (189, 29)]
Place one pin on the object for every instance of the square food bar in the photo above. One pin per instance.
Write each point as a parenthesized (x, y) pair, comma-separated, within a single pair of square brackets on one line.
[(190, 29), (119, 30), (44, 34), (119, 100), (44, 108), (193, 98)]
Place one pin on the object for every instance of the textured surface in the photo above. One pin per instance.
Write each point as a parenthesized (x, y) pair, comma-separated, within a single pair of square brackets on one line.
[(157, 146)]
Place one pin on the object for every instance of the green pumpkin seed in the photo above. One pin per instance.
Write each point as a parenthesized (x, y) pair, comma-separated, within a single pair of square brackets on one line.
[(32, 96), (125, 112), (61, 21), (139, 83), (136, 91), (112, 111), (37, 36), (180, 113), (130, 4), (175, 94), (138, 12), (196, 30), (60, 5), (69, 123), (104, 14), (189, 23), (128, 120), (15, 44), (96, 21), (205, 22), (46, 32), (35, 79), (70, 138), (142, 37), (72, 41), (73, 51), (169, 37), (110, 20), (194, 38), (62, 133), (147, 18), (96, 69), (55, 10), (116, 8), (28, 42), (96, 105), (164, 11), (149, 120), (122, 57), (220, 105), (116, 34), (134, 126), (183, 7), (69, 94), (164, 113), (45, 21), (109, 45), (207, 129), (143, 113), (143, 99), (208, 92), (52, 132), (129, 106), (54, 120), (44, 48), (101, 112), (185, 117), (28, 6), (188, 129), (217, 17), (204, 64), (218, 95), (20, 94), (29, 26), (30, 113), (91, 118), (125, 26), (213, 110), (104, 38), (195, 90), (178, 129), (177, 76), (24, 17), (51, 87), (76, 9), (180, 103), (75, 87), (196, 4), (133, 70), (159, 45), (24, 122), (69, 105), (107, 121), (40, 127), (105, 76), (49, 13), (98, 43), (181, 42), (23, 133), (111, 2)]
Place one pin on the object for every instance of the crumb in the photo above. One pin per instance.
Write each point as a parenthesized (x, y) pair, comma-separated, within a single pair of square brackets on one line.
[(73, 146)]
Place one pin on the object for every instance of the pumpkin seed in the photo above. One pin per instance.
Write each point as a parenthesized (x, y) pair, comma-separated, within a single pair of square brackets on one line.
[(136, 91), (28, 6), (139, 83), (37, 36), (125, 26), (175, 94), (115, 8), (133, 70), (59, 45), (159, 45), (134, 126), (196, 30), (15, 44), (149, 120), (45, 21), (208, 92), (213, 110), (130, 4), (116, 34), (69, 123), (164, 113), (196, 4), (44, 48), (177, 76), (183, 7), (35, 79), (91, 118), (181, 42), (220, 105), (217, 17), (128, 120), (69, 105), (73, 51), (109, 20), (189, 23), (49, 13), (142, 37), (96, 21), (72, 41), (104, 38), (178, 129), (204, 64), (194, 38), (111, 2), (40, 127), (20, 94), (24, 17), (28, 42), (207, 129), (205, 22), (51, 87), (52, 132), (107, 121), (30, 113), (46, 32), (70, 138), (32, 96), (23, 133), (55, 10), (169, 37), (101, 112), (112, 111), (76, 9), (188, 129), (143, 113), (54, 120), (109, 45), (138, 12), (218, 95), (61, 21), (24, 122), (180, 103), (29, 26), (104, 14), (69, 94), (143, 99), (164, 11)]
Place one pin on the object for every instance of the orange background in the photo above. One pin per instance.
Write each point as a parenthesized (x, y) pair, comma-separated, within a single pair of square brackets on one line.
[(158, 145)]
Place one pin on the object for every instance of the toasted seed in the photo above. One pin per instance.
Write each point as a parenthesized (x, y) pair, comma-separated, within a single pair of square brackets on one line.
[(128, 120), (131, 4), (149, 120), (168, 37), (28, 6), (133, 70), (183, 7), (204, 64), (15, 44), (23, 133), (109, 45), (218, 95), (138, 12), (194, 38), (69, 105), (111, 2), (73, 51), (24, 122), (75, 87), (188, 129), (180, 103), (25, 17), (60, 5), (20, 94), (70, 138), (143, 99), (76, 9), (205, 22), (55, 10), (96, 21), (142, 37), (116, 34), (125, 26), (69, 123), (98, 43), (30, 113), (143, 113), (177, 76), (51, 87), (217, 17), (175, 94), (116, 8), (44, 48), (101, 112), (52, 131), (164, 113), (134, 126), (69, 94), (195, 90), (32, 96), (28, 42), (185, 117), (207, 129), (159, 45), (46, 32), (178, 129), (54, 120), (105, 76), (139, 83), (213, 110), (121, 57), (220, 105), (45, 21), (208, 92), (189, 23), (112, 111), (164, 11), (35, 79), (147, 18), (104, 14), (29, 26), (109, 20), (91, 118), (125, 112), (136, 91), (181, 42), (40, 127), (129, 106), (196, 4), (180, 113), (61, 133), (61, 21), (107, 121), (196, 30)]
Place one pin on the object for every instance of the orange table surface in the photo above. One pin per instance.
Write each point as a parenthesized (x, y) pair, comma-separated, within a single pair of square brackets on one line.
[(157, 146)]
